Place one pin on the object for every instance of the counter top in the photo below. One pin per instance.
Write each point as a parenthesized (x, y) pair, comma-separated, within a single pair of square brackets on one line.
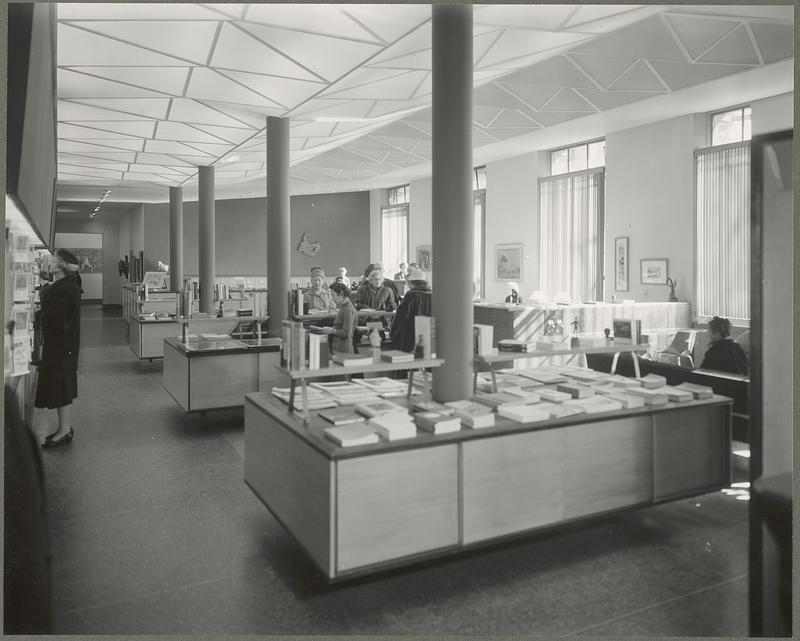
[(203, 347), (312, 431)]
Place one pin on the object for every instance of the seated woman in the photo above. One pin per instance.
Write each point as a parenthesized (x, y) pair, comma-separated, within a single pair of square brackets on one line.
[(724, 354), (319, 296), (417, 302), (345, 323), (373, 294)]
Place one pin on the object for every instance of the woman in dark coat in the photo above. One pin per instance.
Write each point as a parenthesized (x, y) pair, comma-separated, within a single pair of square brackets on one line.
[(417, 302), (60, 322), (724, 354)]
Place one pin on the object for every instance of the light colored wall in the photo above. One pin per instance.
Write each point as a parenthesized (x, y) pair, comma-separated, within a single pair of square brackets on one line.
[(377, 199), (420, 220), (111, 292), (512, 216), (136, 228), (773, 114)]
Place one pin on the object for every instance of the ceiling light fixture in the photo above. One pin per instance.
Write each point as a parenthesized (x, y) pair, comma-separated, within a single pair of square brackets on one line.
[(103, 199)]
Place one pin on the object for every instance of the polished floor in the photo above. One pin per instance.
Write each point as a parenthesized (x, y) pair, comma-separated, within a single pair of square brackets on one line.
[(153, 531)]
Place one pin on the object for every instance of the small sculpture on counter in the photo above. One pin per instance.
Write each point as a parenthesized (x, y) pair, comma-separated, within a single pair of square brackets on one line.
[(607, 332), (672, 283), (574, 341)]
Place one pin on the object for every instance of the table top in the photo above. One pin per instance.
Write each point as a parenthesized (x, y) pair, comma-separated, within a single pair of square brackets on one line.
[(587, 346), (204, 347), (376, 366), (360, 312)]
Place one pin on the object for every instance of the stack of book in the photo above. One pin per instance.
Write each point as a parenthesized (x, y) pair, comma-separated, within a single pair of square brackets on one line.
[(344, 392), (543, 375), (652, 381), (432, 406), (484, 381), (512, 345), (523, 412), (699, 391), (293, 345), (484, 337), (472, 414), (677, 395), (384, 386), (437, 422), (351, 435), (396, 356), (594, 404), (394, 426), (559, 410), (576, 390), (628, 401), (588, 376), (604, 387), (624, 381), (316, 399), (379, 408), (318, 350), (650, 396), (352, 360), (496, 399), (341, 415), (553, 395)]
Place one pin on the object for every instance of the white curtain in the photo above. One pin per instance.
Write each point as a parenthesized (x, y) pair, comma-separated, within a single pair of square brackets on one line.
[(394, 238), (723, 232), (571, 217)]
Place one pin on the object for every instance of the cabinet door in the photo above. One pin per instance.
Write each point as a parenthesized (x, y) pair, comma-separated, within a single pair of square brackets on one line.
[(512, 483), (395, 505)]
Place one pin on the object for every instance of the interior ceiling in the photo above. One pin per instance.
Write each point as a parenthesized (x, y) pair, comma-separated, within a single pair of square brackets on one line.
[(149, 92)]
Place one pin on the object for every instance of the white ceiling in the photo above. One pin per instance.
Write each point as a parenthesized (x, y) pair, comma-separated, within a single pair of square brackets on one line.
[(149, 92)]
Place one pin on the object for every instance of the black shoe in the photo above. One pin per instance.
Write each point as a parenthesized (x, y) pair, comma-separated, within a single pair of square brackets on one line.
[(67, 438), (49, 437)]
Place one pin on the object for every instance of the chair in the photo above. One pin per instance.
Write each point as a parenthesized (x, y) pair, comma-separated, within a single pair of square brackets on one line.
[(680, 349)]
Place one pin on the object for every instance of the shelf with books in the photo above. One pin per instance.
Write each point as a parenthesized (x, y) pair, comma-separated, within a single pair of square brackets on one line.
[(586, 346)]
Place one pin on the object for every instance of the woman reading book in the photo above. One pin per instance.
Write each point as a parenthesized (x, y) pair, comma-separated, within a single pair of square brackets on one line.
[(345, 323)]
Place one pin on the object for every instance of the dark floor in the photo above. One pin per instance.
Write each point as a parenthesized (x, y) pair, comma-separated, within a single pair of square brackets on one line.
[(155, 532)]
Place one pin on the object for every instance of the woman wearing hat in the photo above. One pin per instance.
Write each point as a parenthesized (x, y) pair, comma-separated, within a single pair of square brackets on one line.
[(417, 302), (60, 320), (319, 296)]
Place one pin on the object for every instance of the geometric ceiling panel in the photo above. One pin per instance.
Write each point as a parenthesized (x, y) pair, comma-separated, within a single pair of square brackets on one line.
[(70, 111), (169, 80), (389, 26), (164, 171), (168, 147), (340, 55), (416, 60), (75, 161), (481, 138), (550, 118), (243, 113), (419, 39), (396, 88), (232, 10), (638, 78), (153, 108), (159, 159), (104, 130), (734, 49), (328, 19), (311, 128), (76, 146), (502, 133), (79, 85), (557, 71), (232, 135), (135, 11), (425, 88), (187, 40), (493, 96), (285, 91), (79, 47), (678, 75), (604, 100), (699, 35), (775, 41), (403, 144), (184, 133), (511, 118), (240, 51), (192, 111), (533, 95), (484, 115), (385, 107), (206, 83), (208, 148), (586, 14), (89, 171), (568, 100), (117, 156), (548, 17), (644, 39), (363, 76), (515, 43), (604, 69)]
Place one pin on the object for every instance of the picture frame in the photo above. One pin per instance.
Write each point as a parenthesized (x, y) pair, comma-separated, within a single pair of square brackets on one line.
[(424, 257), (621, 264), (508, 261), (654, 271)]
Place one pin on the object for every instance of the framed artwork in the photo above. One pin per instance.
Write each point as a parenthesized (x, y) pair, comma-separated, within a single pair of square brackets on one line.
[(424, 257), (654, 271), (621, 264), (508, 262)]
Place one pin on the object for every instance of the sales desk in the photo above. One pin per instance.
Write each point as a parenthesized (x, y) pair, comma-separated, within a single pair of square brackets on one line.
[(204, 375), (362, 509)]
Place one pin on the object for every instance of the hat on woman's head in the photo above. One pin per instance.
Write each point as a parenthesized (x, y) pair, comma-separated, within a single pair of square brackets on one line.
[(317, 271), (69, 258), (416, 274)]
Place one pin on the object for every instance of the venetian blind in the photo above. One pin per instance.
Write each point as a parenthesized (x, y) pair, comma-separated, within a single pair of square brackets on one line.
[(570, 238), (394, 238), (723, 232)]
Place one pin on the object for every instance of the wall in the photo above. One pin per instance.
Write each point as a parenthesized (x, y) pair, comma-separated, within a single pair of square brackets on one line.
[(377, 199), (512, 216), (773, 114), (340, 222), (112, 281), (420, 221)]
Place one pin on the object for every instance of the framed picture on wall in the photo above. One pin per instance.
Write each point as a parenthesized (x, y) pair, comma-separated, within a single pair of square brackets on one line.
[(654, 271), (508, 262), (621, 264), (424, 257)]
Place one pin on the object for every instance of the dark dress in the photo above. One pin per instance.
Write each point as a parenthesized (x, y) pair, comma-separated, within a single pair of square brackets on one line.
[(417, 302), (60, 321), (726, 355)]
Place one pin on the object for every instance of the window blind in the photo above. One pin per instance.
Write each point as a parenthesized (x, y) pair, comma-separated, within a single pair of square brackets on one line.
[(571, 219), (723, 232), (394, 237)]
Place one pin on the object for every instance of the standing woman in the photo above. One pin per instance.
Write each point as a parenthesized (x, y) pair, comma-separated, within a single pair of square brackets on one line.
[(61, 331), (345, 322)]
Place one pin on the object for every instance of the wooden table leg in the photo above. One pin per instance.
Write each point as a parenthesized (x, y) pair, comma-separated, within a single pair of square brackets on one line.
[(636, 365)]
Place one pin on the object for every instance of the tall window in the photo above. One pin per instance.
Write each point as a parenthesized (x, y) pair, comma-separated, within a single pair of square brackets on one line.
[(394, 229), (479, 222), (586, 155), (723, 219)]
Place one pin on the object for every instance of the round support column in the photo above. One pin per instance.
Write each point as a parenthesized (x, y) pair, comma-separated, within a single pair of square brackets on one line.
[(278, 223), (207, 237), (175, 238)]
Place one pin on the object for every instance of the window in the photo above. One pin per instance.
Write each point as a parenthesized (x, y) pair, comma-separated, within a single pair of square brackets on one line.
[(587, 155), (571, 234), (723, 232), (479, 223), (730, 126), (394, 229)]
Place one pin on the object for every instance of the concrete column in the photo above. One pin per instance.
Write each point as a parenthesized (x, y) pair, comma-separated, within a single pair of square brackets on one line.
[(175, 238), (278, 230), (207, 237), (452, 230)]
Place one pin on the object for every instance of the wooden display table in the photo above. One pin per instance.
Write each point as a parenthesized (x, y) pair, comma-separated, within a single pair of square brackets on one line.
[(587, 347), (203, 375), (377, 366), (362, 509)]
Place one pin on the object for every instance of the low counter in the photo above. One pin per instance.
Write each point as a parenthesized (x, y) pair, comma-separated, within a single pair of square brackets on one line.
[(146, 336), (215, 374), (358, 510)]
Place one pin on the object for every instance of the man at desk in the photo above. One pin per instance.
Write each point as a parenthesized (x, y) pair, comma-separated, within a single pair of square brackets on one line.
[(724, 354)]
